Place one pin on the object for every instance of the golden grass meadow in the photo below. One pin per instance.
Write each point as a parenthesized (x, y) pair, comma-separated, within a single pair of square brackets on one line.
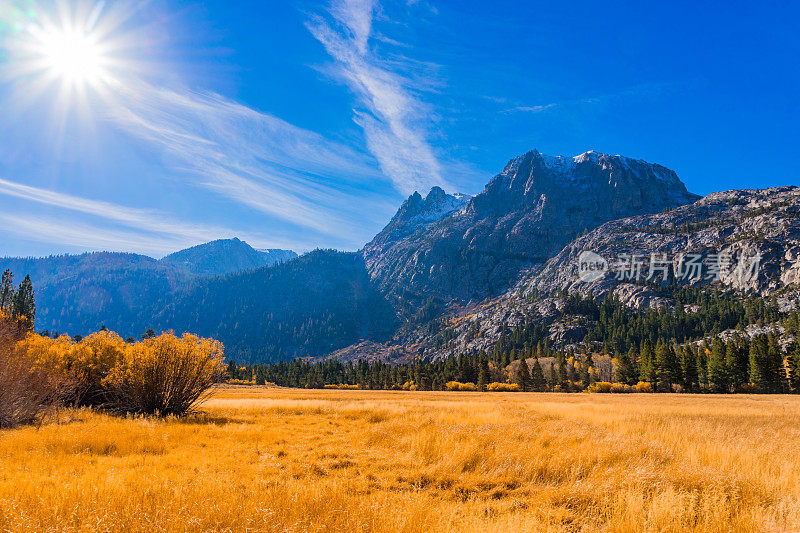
[(271, 459)]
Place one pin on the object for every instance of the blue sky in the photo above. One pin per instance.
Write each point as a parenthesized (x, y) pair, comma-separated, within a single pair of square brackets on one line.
[(305, 124)]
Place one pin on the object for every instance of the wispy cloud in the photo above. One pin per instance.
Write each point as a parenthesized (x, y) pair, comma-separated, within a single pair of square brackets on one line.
[(253, 158), (32, 227), (155, 231), (395, 120), (534, 108), (644, 90)]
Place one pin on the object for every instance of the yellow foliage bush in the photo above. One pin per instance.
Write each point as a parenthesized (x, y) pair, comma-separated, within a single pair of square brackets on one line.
[(457, 386), (26, 391), (239, 382), (84, 364), (600, 386), (409, 385), (164, 375), (605, 387), (503, 387), (644, 386)]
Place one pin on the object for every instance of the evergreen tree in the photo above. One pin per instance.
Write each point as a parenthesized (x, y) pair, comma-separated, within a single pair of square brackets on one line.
[(689, 367), (24, 307), (563, 373), (537, 376), (483, 375), (736, 360), (717, 367), (794, 368), (647, 362), (775, 362), (586, 375), (522, 375), (702, 366), (667, 366), (233, 370), (759, 363), (627, 372), (7, 292)]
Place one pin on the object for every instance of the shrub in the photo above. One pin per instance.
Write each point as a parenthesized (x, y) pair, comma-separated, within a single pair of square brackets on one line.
[(600, 386), (503, 387), (26, 390), (620, 387), (457, 386), (644, 386), (164, 375), (84, 364), (239, 382), (606, 387)]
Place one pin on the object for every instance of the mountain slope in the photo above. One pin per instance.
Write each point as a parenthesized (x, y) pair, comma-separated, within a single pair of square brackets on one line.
[(224, 256), (739, 225), (524, 216), (317, 303), (80, 293)]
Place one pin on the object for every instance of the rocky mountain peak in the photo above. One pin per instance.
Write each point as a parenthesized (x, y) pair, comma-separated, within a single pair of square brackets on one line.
[(524, 216), (418, 211), (625, 184)]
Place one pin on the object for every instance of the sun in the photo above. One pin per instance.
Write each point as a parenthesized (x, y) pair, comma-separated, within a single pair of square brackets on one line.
[(73, 56)]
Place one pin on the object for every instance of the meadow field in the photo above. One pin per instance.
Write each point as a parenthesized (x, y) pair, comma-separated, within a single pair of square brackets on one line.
[(270, 459)]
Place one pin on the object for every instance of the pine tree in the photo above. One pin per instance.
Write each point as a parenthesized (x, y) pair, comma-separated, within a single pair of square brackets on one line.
[(537, 376), (759, 365), (794, 368), (689, 366), (24, 307), (718, 367), (775, 362), (647, 362), (7, 292), (563, 373), (554, 380), (736, 361), (627, 372), (586, 373), (702, 366), (522, 375), (483, 375), (667, 366)]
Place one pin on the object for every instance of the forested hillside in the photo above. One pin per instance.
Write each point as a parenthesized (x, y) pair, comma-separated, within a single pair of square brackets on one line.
[(317, 303)]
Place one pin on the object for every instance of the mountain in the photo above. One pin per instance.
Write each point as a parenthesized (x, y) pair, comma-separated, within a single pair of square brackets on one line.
[(440, 260), (224, 256), (751, 238), (726, 229), (124, 291), (524, 216), (80, 293)]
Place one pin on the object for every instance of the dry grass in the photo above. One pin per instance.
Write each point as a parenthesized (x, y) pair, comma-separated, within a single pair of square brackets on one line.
[(289, 460)]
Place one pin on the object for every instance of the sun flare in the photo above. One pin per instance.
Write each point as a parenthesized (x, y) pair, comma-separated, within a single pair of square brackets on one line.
[(73, 56)]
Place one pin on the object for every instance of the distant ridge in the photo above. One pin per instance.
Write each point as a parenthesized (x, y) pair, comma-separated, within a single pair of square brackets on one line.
[(224, 256)]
